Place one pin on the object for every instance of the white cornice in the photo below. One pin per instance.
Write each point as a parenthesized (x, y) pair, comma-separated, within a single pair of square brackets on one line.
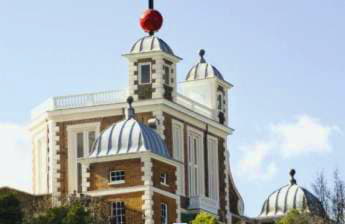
[(140, 106)]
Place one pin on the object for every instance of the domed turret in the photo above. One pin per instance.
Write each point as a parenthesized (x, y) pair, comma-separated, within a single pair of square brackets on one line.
[(206, 85), (128, 136), (203, 70), (290, 197)]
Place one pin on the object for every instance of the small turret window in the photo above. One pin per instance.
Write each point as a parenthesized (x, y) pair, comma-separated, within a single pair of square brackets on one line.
[(220, 101), (166, 75), (145, 73)]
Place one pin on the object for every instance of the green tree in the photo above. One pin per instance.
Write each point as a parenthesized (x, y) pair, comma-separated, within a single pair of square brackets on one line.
[(296, 217), (10, 209), (72, 214), (205, 218), (77, 214)]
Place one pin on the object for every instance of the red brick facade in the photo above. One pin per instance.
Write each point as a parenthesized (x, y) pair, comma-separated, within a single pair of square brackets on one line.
[(157, 169), (100, 174)]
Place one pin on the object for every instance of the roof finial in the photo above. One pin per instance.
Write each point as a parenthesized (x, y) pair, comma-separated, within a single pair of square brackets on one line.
[(131, 111), (202, 54), (292, 174)]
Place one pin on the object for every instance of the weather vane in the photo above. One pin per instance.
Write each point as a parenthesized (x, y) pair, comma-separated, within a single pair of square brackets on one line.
[(152, 20)]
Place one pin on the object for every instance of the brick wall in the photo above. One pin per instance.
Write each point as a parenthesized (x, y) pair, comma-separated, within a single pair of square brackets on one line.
[(160, 167), (133, 204), (222, 185), (158, 199), (99, 174)]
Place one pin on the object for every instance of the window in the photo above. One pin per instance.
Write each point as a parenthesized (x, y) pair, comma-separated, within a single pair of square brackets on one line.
[(80, 145), (164, 213), (220, 101), (118, 212), (213, 169), (166, 75), (92, 139), (145, 73), (164, 178), (195, 163), (84, 141), (117, 176), (177, 140), (81, 138)]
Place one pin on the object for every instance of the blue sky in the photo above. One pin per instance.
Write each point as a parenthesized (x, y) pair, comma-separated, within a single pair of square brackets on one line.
[(286, 60)]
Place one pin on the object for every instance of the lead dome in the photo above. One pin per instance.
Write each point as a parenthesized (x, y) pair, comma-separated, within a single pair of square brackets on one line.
[(128, 136), (203, 70), (289, 197), (151, 44)]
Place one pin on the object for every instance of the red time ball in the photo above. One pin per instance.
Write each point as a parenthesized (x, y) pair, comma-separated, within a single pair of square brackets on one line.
[(151, 21)]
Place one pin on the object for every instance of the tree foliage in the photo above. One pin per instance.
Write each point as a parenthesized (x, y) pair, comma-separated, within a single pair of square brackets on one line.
[(332, 198), (205, 218), (72, 210), (10, 209), (296, 217)]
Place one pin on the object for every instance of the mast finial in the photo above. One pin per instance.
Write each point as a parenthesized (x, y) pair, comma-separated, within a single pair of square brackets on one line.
[(151, 4), (152, 20), (292, 175), (202, 53), (131, 111)]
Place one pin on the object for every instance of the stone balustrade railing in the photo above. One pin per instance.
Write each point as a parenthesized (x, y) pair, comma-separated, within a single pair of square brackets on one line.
[(108, 97)]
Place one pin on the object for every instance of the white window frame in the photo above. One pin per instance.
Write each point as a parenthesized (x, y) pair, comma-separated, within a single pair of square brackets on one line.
[(140, 75), (117, 181), (196, 163), (163, 179), (115, 209), (72, 132), (164, 213), (213, 168), (178, 141)]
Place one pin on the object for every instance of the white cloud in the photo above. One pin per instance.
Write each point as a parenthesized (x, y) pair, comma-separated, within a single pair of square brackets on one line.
[(305, 135), (252, 164), (302, 136), (15, 157)]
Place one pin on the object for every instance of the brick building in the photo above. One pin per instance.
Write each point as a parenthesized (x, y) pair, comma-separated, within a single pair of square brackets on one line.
[(164, 162)]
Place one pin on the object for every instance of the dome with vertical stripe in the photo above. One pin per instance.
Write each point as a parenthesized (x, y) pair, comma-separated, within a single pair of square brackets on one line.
[(128, 136), (151, 44), (291, 197), (203, 70)]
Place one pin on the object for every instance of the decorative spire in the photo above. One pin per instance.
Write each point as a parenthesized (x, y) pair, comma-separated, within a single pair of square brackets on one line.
[(292, 175), (131, 111), (202, 53)]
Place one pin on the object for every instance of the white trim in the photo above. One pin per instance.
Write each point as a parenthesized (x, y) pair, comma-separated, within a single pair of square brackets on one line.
[(140, 106), (40, 164), (117, 182), (213, 160), (137, 155), (132, 57), (125, 190), (165, 193), (72, 132), (148, 194)]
